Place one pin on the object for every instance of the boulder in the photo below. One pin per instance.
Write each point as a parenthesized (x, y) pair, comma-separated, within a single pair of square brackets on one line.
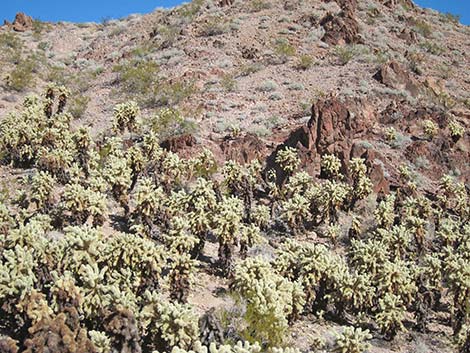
[(393, 75), (249, 52), (22, 22), (394, 3), (226, 2), (179, 143), (341, 29), (243, 149), (408, 35), (335, 123)]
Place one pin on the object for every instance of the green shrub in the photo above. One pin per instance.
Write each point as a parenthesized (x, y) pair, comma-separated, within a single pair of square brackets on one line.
[(139, 80), (423, 28), (305, 62), (450, 17), (346, 53), (169, 34), (191, 9), (259, 5), (22, 75), (432, 47), (248, 69), (229, 83), (213, 26), (39, 27), (168, 122), (267, 86), (137, 77), (283, 49), (170, 94), (78, 105), (11, 47)]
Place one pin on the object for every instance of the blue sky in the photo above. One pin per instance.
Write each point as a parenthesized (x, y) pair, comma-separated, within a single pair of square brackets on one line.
[(97, 10)]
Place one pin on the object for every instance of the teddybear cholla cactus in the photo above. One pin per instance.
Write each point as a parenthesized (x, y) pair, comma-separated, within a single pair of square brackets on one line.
[(125, 117), (391, 315), (362, 185), (168, 324), (330, 166), (456, 130), (182, 273), (239, 347), (78, 203), (295, 211), (227, 221), (352, 340), (430, 128), (271, 300), (288, 159)]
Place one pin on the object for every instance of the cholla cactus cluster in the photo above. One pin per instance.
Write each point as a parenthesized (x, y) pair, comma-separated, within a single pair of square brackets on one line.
[(271, 300), (430, 128), (288, 159), (105, 245), (352, 340), (456, 130)]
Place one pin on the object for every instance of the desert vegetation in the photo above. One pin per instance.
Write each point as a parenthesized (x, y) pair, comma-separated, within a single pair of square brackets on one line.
[(237, 176), (66, 280)]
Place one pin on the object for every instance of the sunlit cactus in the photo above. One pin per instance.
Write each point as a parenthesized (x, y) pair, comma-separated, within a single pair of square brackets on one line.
[(148, 203), (79, 203), (227, 222), (271, 300), (385, 212), (172, 324), (136, 162), (125, 117), (352, 340), (330, 166), (391, 315), (456, 130), (288, 159), (42, 186), (295, 211), (430, 129), (249, 236), (260, 216), (118, 175)]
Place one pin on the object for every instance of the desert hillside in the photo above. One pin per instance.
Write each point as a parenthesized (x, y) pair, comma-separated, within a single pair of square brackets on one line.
[(237, 176)]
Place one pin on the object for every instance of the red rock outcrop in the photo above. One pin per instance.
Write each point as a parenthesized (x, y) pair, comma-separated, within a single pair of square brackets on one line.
[(335, 128), (408, 35), (393, 75), (393, 3), (335, 124), (226, 2), (179, 143), (22, 22), (244, 149), (341, 29)]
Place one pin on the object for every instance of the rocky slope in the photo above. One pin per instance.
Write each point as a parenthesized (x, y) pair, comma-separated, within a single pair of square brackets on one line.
[(379, 79), (257, 67)]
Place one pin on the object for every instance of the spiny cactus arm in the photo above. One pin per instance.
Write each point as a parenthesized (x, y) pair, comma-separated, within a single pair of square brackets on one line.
[(288, 159), (330, 165), (352, 340)]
